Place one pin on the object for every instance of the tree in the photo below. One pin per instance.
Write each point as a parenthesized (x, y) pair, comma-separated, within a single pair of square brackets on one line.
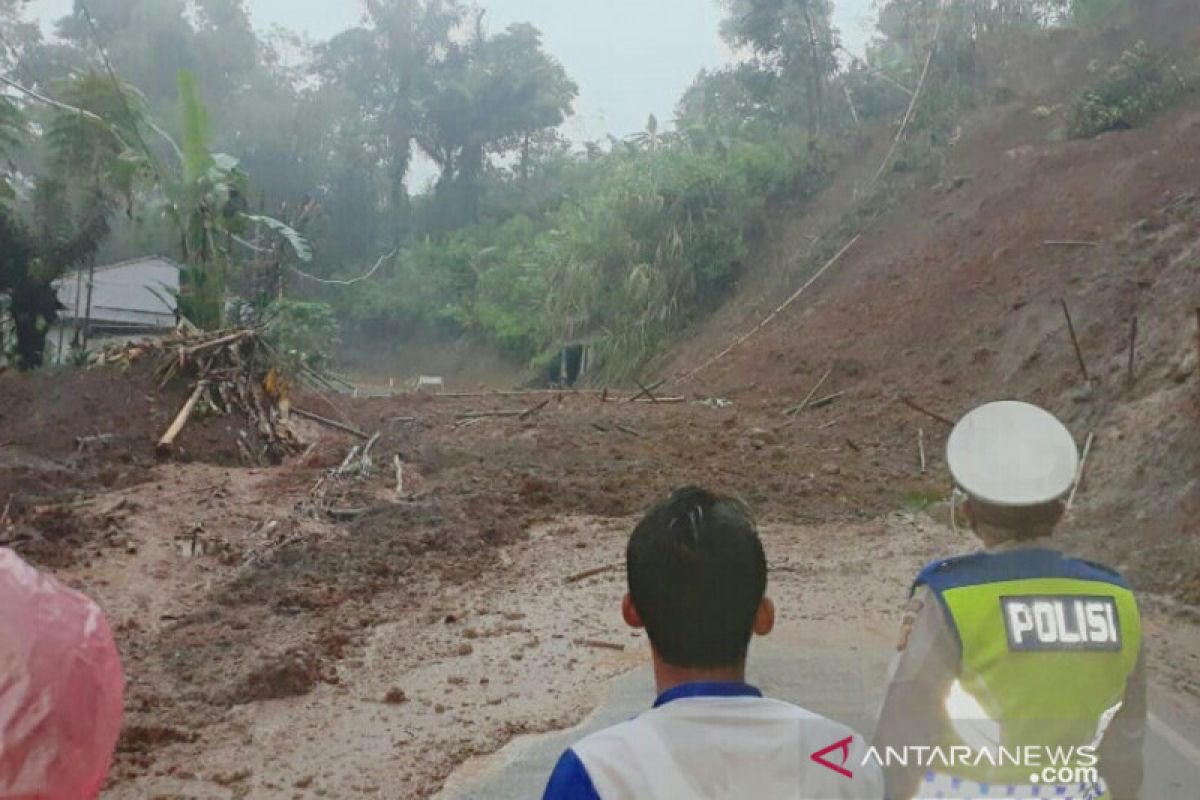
[(61, 235), (71, 203), (796, 40), (489, 98), (11, 128), (383, 69)]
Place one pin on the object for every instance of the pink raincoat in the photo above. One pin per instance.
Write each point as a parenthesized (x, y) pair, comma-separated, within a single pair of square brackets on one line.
[(61, 688)]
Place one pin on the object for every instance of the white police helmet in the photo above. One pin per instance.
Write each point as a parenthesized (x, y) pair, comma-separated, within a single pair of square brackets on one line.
[(1012, 454)]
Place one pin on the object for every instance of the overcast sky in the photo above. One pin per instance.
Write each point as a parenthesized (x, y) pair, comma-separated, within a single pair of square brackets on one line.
[(630, 58)]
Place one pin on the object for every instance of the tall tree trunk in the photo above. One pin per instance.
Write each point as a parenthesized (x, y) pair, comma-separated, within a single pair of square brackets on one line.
[(816, 80), (35, 308)]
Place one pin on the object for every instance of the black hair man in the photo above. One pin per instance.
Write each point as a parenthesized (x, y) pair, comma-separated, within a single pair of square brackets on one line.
[(1022, 666), (697, 583)]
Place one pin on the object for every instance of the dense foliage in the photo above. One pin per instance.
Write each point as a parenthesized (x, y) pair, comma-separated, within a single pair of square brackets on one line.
[(1138, 85), (521, 238)]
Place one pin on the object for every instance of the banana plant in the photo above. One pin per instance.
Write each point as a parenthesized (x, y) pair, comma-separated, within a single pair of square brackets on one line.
[(204, 194)]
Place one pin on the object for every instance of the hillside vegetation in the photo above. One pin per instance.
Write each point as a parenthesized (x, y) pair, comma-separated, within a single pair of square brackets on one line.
[(524, 239)]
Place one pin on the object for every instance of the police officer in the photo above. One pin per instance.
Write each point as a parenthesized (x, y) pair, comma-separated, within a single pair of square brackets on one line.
[(1020, 656)]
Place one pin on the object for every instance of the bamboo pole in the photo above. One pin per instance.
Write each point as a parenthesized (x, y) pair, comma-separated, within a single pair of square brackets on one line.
[(1087, 451), (1075, 341), (803, 404), (770, 317)]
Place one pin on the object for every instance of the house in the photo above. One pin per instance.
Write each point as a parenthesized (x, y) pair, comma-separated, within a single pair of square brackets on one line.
[(129, 300)]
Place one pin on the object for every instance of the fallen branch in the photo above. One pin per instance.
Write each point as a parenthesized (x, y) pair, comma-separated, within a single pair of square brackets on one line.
[(827, 400), (469, 415), (1087, 451), (921, 448), (365, 463), (630, 431), (599, 644), (349, 459), (348, 513), (399, 476), (1133, 334), (534, 409), (1069, 243), (588, 573), (646, 391), (181, 419), (799, 408), (515, 393), (1075, 341), (908, 401), (341, 426)]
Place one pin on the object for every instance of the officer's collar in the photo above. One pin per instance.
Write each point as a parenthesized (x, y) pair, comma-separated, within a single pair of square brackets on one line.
[(707, 689), (1009, 545)]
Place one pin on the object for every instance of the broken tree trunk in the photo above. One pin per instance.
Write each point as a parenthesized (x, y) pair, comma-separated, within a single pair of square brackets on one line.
[(167, 442), (341, 426)]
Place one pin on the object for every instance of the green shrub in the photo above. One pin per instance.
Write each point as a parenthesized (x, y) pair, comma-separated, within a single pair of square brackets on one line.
[(662, 236), (1138, 85), (303, 333), (629, 255)]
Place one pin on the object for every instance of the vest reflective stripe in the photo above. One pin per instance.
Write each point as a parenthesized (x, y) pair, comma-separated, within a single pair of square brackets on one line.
[(1047, 646)]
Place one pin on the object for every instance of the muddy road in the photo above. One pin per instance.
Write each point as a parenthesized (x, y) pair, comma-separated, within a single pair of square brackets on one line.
[(372, 643)]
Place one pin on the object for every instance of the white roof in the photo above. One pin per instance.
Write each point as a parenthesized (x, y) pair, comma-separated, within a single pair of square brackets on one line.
[(1012, 454), (134, 294)]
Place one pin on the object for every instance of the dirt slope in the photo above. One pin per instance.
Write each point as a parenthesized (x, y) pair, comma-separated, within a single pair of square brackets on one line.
[(954, 298)]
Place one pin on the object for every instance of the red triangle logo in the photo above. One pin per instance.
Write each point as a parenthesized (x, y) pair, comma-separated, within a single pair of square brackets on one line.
[(842, 747)]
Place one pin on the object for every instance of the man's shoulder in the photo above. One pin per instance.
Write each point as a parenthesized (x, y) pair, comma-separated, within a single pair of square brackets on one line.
[(715, 711), (632, 759), (761, 723)]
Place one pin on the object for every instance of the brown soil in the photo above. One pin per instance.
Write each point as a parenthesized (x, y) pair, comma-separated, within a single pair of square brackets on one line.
[(953, 298), (272, 651)]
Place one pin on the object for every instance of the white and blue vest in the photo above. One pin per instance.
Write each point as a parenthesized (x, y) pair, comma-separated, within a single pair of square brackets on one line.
[(718, 741)]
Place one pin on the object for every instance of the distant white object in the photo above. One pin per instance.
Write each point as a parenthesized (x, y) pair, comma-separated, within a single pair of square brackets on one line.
[(1012, 454), (430, 382)]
